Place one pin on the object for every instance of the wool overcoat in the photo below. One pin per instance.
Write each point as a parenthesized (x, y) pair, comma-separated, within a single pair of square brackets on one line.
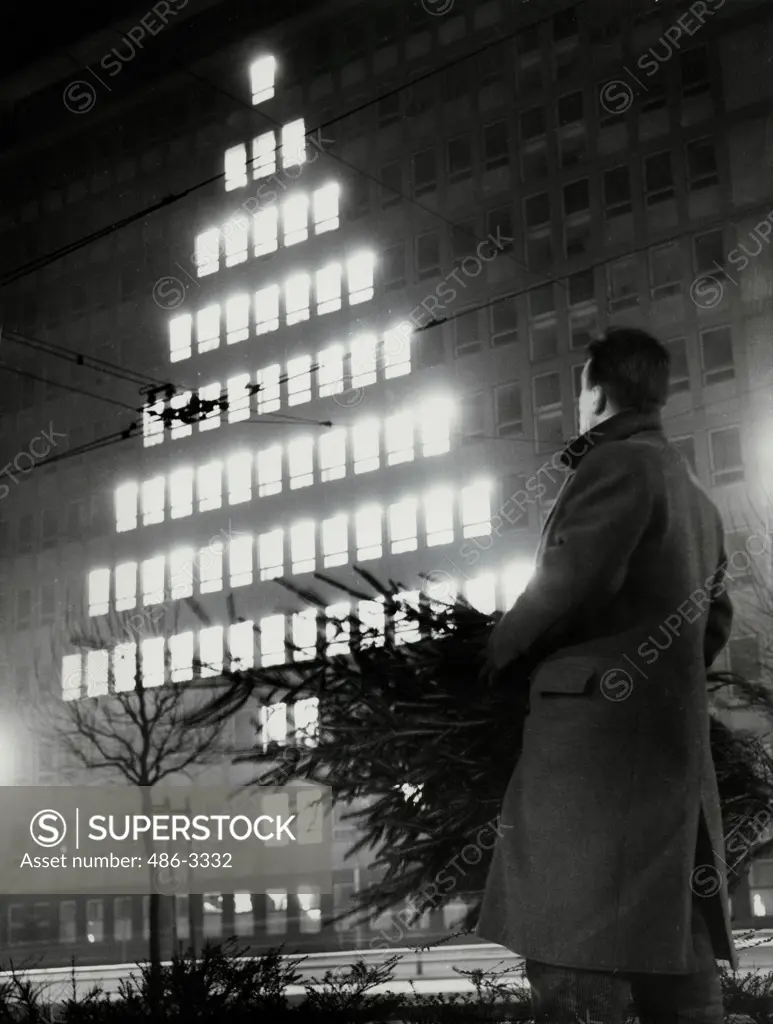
[(611, 825)]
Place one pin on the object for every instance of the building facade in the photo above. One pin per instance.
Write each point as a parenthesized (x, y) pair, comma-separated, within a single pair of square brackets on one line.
[(330, 308)]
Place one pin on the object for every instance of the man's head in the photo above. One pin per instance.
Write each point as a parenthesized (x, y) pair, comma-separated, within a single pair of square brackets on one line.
[(626, 369)]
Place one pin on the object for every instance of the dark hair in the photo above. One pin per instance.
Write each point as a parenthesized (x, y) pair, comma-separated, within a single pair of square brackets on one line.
[(631, 367)]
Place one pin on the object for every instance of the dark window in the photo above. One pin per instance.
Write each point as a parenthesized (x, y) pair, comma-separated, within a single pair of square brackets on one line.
[(428, 255), (527, 40), (496, 145), (394, 266), (694, 66), (459, 152), (576, 197), (537, 210), (532, 123), (456, 81), (570, 109), (581, 287), (565, 24), (701, 164), (359, 196), (499, 224), (726, 457), (462, 239), (390, 109), (709, 252), (474, 416), (424, 172), (617, 191), (679, 376), (466, 335), (717, 355), (391, 177), (503, 315), (740, 561), (658, 177), (508, 409), (542, 301)]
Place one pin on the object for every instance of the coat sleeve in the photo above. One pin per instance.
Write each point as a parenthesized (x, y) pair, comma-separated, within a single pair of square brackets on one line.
[(720, 618), (605, 511)]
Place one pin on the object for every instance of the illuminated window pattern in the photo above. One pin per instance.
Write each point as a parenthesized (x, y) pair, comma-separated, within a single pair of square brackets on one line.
[(265, 643)]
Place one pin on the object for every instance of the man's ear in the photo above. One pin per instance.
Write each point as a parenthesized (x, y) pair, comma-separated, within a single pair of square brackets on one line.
[(600, 402)]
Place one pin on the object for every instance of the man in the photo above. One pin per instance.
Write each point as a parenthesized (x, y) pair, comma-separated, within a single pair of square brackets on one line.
[(608, 877)]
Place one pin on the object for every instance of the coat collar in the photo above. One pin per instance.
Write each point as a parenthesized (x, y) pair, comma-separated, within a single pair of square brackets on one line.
[(617, 428)]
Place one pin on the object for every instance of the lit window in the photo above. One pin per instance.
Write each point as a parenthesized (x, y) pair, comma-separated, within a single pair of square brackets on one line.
[(179, 427), (329, 289), (440, 590), (237, 319), (405, 625), (360, 276), (180, 328), (397, 352), (208, 328), (270, 471), (207, 254), (235, 167), (326, 208), (210, 393), (398, 438), (299, 380), (262, 74), (293, 143), (372, 622), (239, 474), (306, 720), (72, 671), (295, 219), (271, 554), (300, 456), (302, 547), (126, 498), (476, 509), (514, 580), (439, 517), (238, 398), (181, 493), (153, 660), (364, 358), (297, 299), (367, 528), (266, 228), (181, 657), (366, 443), (209, 486), (241, 645), (481, 592), (332, 455), (335, 541), (211, 567), (269, 395), (305, 634), (97, 671), (153, 501), (337, 628), (153, 580), (181, 562), (272, 652), (309, 901), (125, 586), (99, 591), (240, 560), (211, 651), (152, 424), (330, 371), (402, 526), (124, 667), (436, 426), (273, 717), (263, 155), (267, 309)]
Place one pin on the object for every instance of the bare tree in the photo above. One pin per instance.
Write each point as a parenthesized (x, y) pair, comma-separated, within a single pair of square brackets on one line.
[(133, 730)]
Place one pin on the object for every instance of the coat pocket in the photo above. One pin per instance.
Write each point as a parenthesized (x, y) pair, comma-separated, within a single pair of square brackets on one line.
[(570, 676)]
